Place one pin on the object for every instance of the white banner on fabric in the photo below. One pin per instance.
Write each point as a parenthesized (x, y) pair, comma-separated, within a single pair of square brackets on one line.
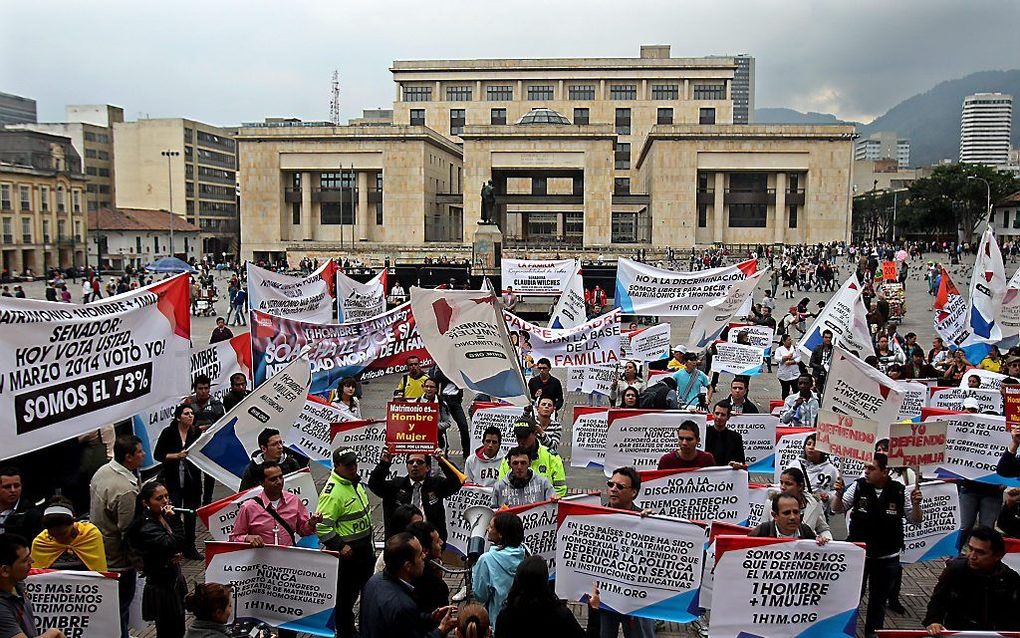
[(646, 290), (717, 313), (856, 389), (950, 319), (759, 434), (987, 289), (287, 587), (639, 438), (989, 380), (921, 446), (952, 399), (915, 397), (502, 417), (599, 379), (936, 536), (307, 298), (974, 445), (646, 344), (570, 310), (457, 529), (784, 588), (734, 358), (760, 336), (224, 450), (596, 342), (368, 440), (705, 494), (646, 567), (528, 276), (758, 504), (309, 434), (67, 369), (218, 516), (1009, 316), (588, 437), (466, 336), (845, 315), (80, 604), (356, 301)]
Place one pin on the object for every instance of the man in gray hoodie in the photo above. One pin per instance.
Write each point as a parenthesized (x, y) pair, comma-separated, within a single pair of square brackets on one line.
[(521, 486)]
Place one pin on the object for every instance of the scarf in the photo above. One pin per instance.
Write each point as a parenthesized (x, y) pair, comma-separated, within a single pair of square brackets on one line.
[(87, 546)]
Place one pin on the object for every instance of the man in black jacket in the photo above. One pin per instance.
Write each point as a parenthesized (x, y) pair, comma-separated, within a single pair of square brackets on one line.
[(419, 488), (976, 593), (737, 400), (271, 448), (544, 385), (821, 358), (724, 444), (17, 515)]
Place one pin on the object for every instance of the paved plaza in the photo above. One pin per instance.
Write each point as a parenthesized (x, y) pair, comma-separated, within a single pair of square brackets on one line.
[(918, 580)]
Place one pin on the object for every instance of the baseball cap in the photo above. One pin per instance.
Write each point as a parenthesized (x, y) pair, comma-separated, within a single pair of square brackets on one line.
[(345, 456), (970, 403), (679, 348)]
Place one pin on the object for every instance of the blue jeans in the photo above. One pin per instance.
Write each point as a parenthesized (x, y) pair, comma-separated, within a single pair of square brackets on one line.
[(976, 507), (633, 627)]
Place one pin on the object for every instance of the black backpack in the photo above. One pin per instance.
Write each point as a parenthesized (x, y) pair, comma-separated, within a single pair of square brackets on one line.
[(654, 396)]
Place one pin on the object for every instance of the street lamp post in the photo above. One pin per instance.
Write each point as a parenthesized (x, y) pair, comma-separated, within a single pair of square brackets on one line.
[(169, 155), (988, 194)]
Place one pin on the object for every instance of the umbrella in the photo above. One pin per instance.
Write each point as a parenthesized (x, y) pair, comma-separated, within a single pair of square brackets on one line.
[(170, 264), (901, 255)]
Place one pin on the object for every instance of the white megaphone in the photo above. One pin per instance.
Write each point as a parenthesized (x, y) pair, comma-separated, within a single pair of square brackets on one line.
[(477, 517)]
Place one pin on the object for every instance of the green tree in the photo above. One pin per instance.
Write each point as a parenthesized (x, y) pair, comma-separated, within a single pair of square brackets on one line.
[(953, 192)]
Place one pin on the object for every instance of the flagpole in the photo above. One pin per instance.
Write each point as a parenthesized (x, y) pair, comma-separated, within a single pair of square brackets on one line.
[(501, 326)]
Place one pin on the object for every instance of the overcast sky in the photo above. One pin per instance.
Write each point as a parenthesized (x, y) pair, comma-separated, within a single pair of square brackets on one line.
[(231, 62)]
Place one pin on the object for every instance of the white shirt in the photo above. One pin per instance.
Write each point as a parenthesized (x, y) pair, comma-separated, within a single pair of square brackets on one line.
[(787, 372)]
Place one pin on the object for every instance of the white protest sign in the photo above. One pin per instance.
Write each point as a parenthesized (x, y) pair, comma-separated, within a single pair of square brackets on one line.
[(856, 389), (457, 529), (715, 314), (502, 417), (646, 290), (758, 504), (936, 536), (639, 438), (80, 604), (218, 516), (599, 379), (917, 445), (646, 567), (528, 276), (588, 436), (734, 358), (575, 379), (646, 344), (974, 444), (570, 309), (950, 318), (715, 529), (360, 301), (789, 447), (287, 587), (846, 436), (783, 588), (596, 342), (846, 317), (989, 380), (368, 440), (309, 435), (914, 398), (540, 530), (307, 298), (759, 434), (952, 399), (704, 494), (760, 336)]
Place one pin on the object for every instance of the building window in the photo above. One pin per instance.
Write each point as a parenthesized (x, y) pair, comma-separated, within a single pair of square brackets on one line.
[(710, 91), (46, 231), (706, 116), (155, 244), (573, 228), (581, 116), (77, 230), (621, 185), (622, 156), (44, 198), (665, 91), (540, 92), (664, 116), (748, 215), (623, 121), (793, 216), (379, 204), (457, 118), (5, 197), (61, 207), (622, 91), (138, 245), (497, 116), (702, 215), (417, 93), (295, 213), (76, 201), (624, 228), (458, 94), (417, 117), (25, 197), (8, 231), (26, 230), (581, 92), (539, 186), (500, 93)]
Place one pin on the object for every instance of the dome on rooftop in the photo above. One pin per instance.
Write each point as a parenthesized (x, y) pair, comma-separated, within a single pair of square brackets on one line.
[(542, 116)]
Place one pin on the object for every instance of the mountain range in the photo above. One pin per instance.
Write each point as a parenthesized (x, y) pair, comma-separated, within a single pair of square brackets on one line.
[(930, 120)]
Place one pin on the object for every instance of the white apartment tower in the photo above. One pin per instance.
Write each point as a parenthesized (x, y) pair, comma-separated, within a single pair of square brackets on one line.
[(985, 129)]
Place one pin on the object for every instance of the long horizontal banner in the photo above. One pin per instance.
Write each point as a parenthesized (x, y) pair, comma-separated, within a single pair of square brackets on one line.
[(67, 369), (79, 604), (370, 348), (646, 290), (528, 276), (308, 298), (974, 444), (703, 494), (596, 342)]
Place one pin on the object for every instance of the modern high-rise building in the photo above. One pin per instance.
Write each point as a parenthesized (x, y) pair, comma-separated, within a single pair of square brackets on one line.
[(200, 172), (15, 109), (985, 126), (883, 145), (743, 90)]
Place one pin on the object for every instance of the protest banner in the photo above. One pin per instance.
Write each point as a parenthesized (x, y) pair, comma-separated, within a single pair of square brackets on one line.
[(889, 271), (937, 534), (1012, 406), (647, 567), (457, 529), (570, 309), (789, 447), (537, 277), (915, 397), (758, 504), (575, 379), (599, 379), (646, 344), (412, 427), (218, 516), (783, 588), (367, 348), (1012, 556), (704, 494), (309, 435), (308, 298), (646, 290), (67, 369), (987, 289), (759, 434), (974, 444), (219, 362), (368, 440), (80, 604), (759, 336), (224, 450), (540, 530), (588, 436), (923, 633), (596, 342), (502, 417), (917, 445), (734, 358), (856, 389), (715, 530), (356, 301), (286, 587), (989, 380), (950, 319), (639, 438), (846, 436), (463, 331), (1009, 316), (715, 314), (845, 315)]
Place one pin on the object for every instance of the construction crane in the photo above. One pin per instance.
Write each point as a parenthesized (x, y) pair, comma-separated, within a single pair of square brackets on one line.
[(334, 100)]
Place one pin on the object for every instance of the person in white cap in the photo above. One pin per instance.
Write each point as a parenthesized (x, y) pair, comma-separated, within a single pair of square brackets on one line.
[(677, 361), (970, 404)]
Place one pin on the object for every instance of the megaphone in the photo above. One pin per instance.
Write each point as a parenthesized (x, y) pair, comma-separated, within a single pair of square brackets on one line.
[(477, 518)]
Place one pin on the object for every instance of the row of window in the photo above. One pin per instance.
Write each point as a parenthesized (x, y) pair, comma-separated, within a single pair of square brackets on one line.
[(93, 153), (97, 171), (47, 237), (746, 216), (101, 138), (25, 198), (546, 92), (497, 116)]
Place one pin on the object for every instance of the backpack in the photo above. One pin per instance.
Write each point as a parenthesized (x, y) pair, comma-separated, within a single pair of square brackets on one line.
[(654, 396)]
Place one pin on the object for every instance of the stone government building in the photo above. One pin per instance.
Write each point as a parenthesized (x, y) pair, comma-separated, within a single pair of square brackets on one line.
[(602, 155)]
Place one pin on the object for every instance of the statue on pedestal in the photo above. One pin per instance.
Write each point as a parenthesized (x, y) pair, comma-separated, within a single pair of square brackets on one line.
[(488, 203)]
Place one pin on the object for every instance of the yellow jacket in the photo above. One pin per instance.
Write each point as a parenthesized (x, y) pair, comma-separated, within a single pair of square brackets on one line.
[(87, 546)]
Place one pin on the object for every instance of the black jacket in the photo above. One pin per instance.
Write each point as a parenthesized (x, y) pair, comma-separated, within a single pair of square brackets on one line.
[(398, 491), (749, 406), (517, 621), (769, 530), (288, 463), (1009, 465), (551, 389), (725, 446), (966, 599), (25, 521), (389, 611), (430, 590), (816, 361), (169, 442), (156, 546)]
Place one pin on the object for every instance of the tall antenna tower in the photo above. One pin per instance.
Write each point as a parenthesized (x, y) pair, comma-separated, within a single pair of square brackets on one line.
[(334, 99)]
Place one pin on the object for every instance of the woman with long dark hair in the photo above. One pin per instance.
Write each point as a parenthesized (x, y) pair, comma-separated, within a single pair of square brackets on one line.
[(158, 536), (346, 398), (532, 608), (183, 481)]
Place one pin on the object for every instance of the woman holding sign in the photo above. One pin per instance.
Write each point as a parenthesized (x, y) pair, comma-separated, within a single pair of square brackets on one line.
[(158, 536), (792, 482)]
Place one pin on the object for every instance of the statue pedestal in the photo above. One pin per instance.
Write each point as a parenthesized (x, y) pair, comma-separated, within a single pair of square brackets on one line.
[(486, 251)]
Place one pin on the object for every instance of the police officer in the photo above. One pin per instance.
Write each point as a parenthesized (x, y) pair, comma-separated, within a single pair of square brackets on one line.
[(347, 528)]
